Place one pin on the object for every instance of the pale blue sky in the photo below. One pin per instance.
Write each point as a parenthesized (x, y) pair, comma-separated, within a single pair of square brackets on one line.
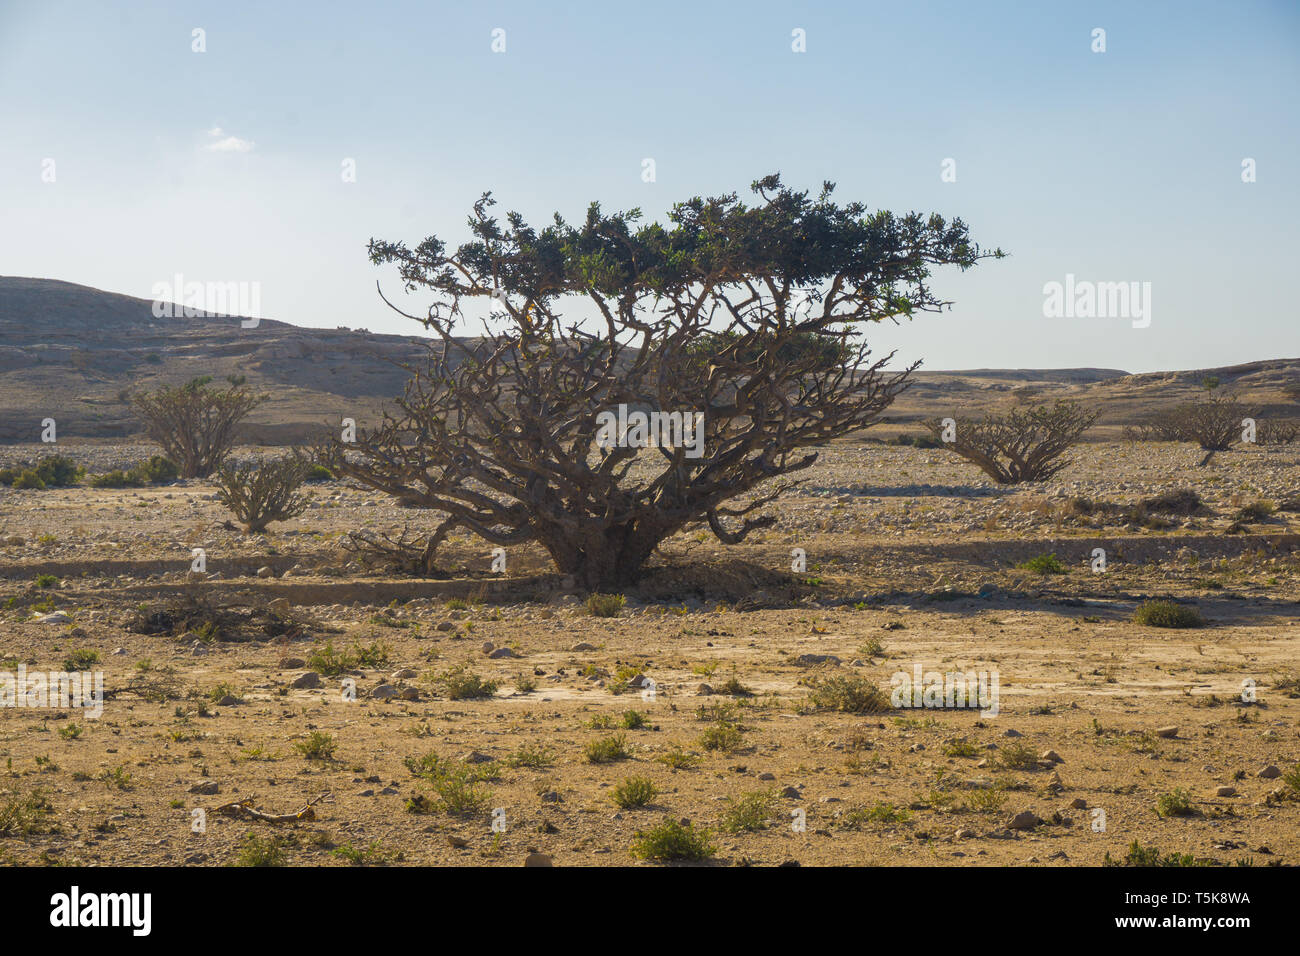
[(1115, 166)]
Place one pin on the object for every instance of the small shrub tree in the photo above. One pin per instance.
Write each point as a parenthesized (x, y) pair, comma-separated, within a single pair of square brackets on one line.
[(1021, 445), (1214, 424), (263, 491), (196, 424)]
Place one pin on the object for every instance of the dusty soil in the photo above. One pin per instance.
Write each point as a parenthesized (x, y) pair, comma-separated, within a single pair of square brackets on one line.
[(911, 560)]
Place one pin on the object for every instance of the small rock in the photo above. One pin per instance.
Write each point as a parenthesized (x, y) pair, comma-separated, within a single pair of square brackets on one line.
[(965, 834), (205, 788), (502, 652), (704, 690), (1078, 803), (309, 679), (1226, 792), (384, 692), (538, 859), (1050, 755), (265, 572), (291, 663), (1013, 733), (1269, 772), (1024, 820), (790, 793), (1167, 732), (582, 646)]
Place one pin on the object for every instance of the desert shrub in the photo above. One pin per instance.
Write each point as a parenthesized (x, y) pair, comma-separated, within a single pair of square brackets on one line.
[(461, 683), (1043, 564), (1167, 614), (606, 749), (849, 694), (723, 736), (195, 424), (1177, 501), (28, 480), (885, 813), (1022, 444), (157, 470), (81, 660), (605, 605), (1213, 424), (750, 812), (47, 581), (1017, 756), (262, 492), (317, 746), (672, 840), (1139, 855), (634, 793), (1276, 431), (1176, 803), (261, 851), (318, 473), (1256, 511), (25, 814), (677, 759), (52, 471)]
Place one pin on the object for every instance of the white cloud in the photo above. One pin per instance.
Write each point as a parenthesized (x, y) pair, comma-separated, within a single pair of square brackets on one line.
[(227, 144)]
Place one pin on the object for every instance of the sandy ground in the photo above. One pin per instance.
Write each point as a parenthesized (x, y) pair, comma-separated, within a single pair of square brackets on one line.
[(911, 562)]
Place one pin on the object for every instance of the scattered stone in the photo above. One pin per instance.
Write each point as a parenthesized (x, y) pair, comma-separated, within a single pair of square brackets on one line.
[(446, 626), (309, 679), (704, 690), (56, 617), (790, 793), (1078, 803), (502, 652), (538, 859), (291, 663), (1051, 755), (1269, 772), (1226, 792), (409, 693), (265, 572), (280, 606), (205, 788), (582, 646), (384, 692), (458, 843), (1024, 820), (767, 776), (965, 834), (476, 756), (1013, 733), (1167, 732)]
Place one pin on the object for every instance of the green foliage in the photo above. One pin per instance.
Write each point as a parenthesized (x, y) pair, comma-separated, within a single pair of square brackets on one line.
[(849, 694), (1043, 564), (634, 793), (1167, 614), (673, 841)]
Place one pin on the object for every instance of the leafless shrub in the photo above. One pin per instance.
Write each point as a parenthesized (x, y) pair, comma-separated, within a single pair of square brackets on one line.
[(1276, 431), (1021, 445), (196, 424), (264, 491), (1214, 424)]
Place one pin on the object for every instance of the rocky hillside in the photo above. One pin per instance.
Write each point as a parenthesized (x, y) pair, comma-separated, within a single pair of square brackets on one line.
[(74, 353)]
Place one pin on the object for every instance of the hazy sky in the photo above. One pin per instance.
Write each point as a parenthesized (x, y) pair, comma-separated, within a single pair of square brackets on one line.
[(1116, 166)]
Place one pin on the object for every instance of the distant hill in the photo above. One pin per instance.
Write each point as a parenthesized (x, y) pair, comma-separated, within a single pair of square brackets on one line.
[(74, 353)]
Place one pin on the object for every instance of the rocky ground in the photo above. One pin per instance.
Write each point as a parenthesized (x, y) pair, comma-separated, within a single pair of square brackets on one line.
[(735, 694)]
